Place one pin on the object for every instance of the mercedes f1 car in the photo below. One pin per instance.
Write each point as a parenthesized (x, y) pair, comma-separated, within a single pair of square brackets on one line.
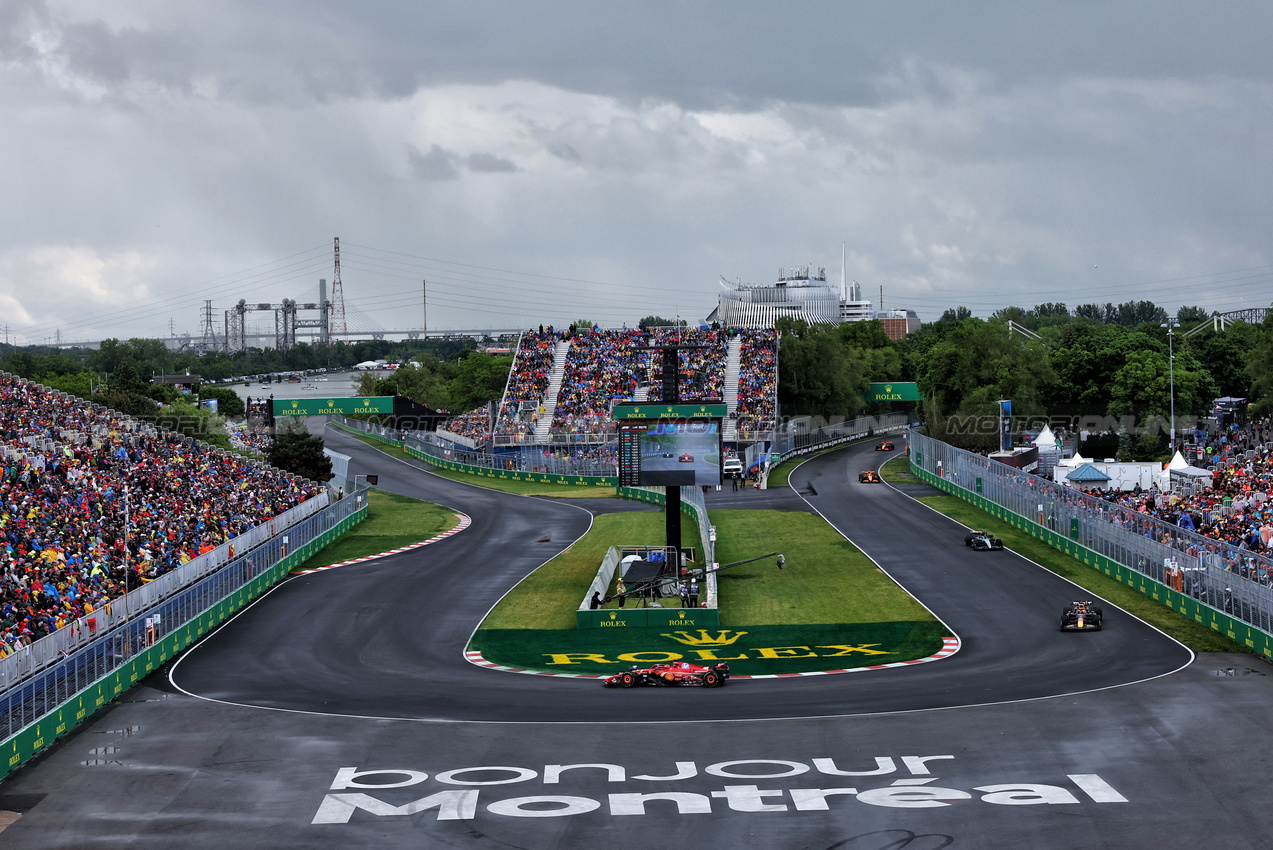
[(1081, 617), (982, 541), (674, 673), (886, 446), (868, 476)]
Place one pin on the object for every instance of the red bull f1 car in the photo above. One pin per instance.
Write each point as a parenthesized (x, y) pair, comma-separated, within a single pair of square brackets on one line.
[(1081, 617), (982, 541), (671, 674)]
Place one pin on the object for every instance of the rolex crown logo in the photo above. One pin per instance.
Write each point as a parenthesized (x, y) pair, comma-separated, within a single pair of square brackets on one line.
[(705, 638), (614, 615), (888, 388), (366, 402)]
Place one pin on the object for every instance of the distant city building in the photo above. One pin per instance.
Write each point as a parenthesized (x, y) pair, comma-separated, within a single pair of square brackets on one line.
[(804, 294), (898, 322), (798, 295)]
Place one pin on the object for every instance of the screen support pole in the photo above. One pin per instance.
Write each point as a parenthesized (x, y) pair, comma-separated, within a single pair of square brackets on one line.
[(672, 502)]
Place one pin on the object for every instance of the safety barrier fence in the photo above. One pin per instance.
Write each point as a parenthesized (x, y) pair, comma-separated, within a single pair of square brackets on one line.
[(530, 464), (46, 706), (799, 435), (51, 648), (1211, 582), (340, 477)]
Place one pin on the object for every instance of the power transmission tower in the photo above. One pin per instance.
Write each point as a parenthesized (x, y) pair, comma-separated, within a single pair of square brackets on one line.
[(209, 341), (338, 325)]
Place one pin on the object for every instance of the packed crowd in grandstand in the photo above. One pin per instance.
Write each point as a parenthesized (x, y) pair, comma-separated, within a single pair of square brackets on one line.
[(604, 366), (68, 472), (476, 424), (527, 382), (702, 363), (249, 440), (1237, 508), (601, 366), (757, 379)]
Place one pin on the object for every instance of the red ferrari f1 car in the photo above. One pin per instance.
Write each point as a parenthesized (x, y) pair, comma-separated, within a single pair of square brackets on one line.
[(674, 673)]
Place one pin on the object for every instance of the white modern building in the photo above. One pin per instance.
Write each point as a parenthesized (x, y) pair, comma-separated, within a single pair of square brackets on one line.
[(804, 293), (801, 293)]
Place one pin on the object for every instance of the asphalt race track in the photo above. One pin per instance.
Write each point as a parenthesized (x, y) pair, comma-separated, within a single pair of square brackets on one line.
[(409, 660), (1109, 739)]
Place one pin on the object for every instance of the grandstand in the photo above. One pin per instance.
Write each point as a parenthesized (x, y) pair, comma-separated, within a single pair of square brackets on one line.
[(562, 385), (93, 503)]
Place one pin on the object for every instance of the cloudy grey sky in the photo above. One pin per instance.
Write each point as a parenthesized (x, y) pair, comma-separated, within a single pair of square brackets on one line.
[(542, 162)]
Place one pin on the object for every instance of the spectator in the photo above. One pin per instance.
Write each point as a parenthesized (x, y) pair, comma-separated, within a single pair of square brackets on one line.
[(68, 469)]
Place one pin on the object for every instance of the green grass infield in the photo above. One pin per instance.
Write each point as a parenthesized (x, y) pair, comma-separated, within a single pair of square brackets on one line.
[(826, 578), (831, 608), (392, 522), (750, 651), (547, 598)]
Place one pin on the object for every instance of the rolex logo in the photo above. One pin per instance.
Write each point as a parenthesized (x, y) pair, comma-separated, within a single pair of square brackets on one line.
[(614, 615), (888, 388), (705, 638), (366, 402)]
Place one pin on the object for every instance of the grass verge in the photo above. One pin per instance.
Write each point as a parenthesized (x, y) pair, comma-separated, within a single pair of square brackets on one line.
[(549, 597), (1197, 637), (379, 445), (898, 471), (826, 578), (392, 521), (829, 609)]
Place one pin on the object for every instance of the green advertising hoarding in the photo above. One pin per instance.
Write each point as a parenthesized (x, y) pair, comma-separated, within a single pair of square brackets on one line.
[(893, 391), (670, 411), (326, 406)]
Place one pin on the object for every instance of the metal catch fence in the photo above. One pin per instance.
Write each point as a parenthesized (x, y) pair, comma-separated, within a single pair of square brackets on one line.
[(142, 622), (529, 459), (1217, 574), (801, 434)]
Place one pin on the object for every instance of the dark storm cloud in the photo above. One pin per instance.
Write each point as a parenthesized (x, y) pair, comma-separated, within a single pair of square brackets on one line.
[(561, 150), (489, 163), (436, 165), (702, 56), (19, 20), (973, 152)]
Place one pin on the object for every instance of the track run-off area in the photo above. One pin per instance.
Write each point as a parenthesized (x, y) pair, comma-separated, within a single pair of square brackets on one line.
[(340, 711)]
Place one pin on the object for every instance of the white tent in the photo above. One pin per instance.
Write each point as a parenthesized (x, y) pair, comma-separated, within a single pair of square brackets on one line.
[(1046, 441), (1178, 462)]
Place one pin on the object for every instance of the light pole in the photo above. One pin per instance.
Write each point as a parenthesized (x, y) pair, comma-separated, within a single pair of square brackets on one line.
[(1171, 371)]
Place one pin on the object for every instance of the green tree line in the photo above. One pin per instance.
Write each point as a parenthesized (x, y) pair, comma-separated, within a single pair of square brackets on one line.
[(1105, 360)]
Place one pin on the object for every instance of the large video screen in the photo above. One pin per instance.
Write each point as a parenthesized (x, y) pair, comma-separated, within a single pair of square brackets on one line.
[(670, 453)]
